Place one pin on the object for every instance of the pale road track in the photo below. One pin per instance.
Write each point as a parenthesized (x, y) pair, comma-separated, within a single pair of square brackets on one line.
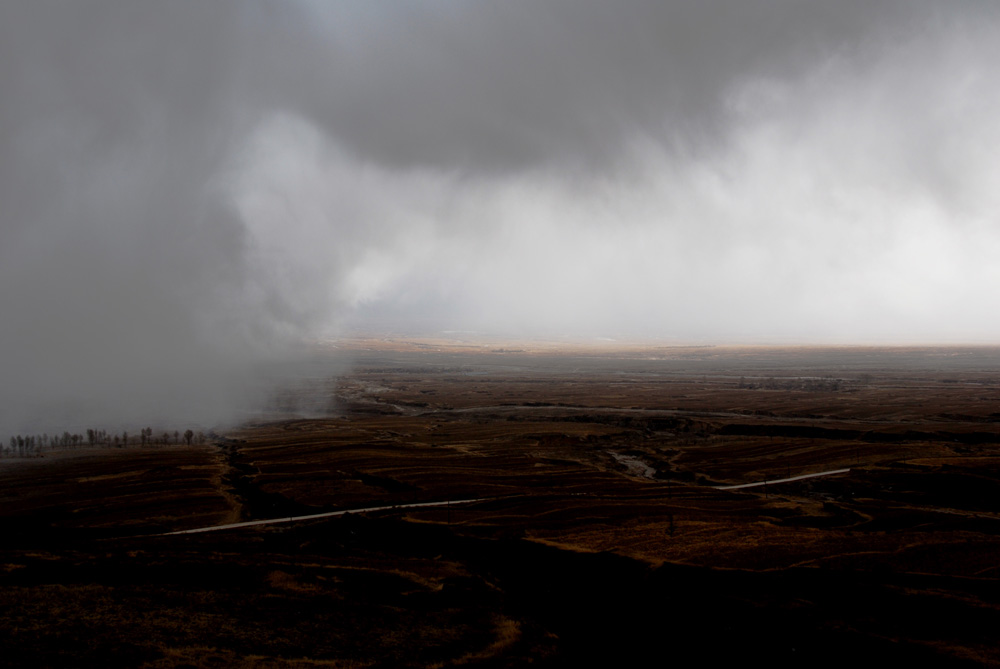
[(793, 478), (328, 514), (332, 514)]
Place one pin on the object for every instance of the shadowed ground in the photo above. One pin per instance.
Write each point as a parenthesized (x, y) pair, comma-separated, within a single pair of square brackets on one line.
[(602, 533)]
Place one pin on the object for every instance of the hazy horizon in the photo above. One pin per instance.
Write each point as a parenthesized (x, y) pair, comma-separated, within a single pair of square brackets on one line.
[(189, 192)]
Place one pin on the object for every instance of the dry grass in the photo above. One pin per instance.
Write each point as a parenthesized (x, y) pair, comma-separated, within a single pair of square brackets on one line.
[(537, 434)]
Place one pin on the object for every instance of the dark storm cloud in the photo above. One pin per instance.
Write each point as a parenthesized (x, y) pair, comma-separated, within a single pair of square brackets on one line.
[(514, 84), (189, 188)]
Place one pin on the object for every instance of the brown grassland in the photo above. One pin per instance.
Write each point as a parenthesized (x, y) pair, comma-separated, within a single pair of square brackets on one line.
[(600, 534)]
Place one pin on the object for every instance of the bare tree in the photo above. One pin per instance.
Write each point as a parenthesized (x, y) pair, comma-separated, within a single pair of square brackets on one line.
[(188, 435)]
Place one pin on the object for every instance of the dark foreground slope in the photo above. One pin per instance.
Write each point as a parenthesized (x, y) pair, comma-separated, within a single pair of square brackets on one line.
[(382, 591)]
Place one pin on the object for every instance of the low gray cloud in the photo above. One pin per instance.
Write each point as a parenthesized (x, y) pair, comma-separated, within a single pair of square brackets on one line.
[(124, 269), (189, 191)]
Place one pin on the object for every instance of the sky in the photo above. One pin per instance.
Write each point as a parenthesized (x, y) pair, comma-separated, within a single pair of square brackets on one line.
[(190, 190)]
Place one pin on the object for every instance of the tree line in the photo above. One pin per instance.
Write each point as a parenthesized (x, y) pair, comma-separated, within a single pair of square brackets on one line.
[(32, 445)]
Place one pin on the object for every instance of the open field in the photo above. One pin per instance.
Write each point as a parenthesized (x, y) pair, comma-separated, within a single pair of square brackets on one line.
[(602, 532)]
